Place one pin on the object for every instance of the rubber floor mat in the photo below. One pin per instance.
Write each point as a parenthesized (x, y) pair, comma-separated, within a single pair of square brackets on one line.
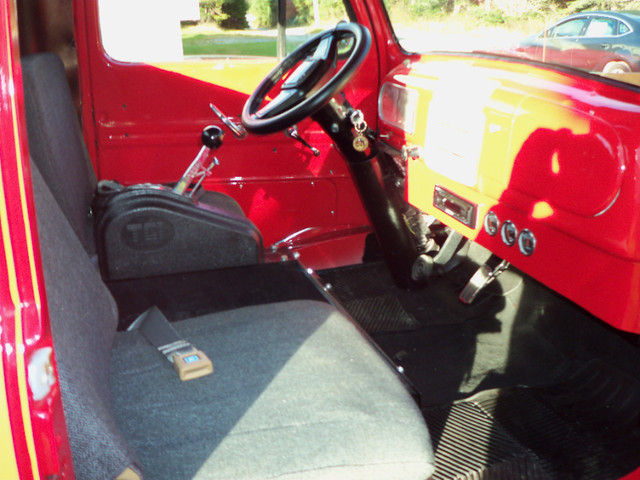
[(586, 428), (381, 313), (370, 296)]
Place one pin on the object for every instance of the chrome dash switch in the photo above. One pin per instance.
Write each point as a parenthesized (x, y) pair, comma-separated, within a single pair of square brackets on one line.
[(527, 242), (509, 233), (491, 223)]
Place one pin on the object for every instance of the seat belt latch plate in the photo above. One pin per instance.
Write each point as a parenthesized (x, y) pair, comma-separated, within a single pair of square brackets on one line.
[(188, 361), (193, 364)]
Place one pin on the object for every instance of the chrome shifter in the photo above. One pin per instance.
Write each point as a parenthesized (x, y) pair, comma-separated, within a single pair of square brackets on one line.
[(212, 138)]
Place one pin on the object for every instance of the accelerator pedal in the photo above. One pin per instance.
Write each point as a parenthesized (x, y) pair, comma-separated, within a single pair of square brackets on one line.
[(483, 277)]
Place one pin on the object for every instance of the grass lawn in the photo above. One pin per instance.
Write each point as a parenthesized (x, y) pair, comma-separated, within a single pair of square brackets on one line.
[(209, 40)]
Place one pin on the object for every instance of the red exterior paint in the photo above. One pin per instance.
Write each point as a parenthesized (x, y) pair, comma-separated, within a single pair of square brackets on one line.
[(574, 187), (635, 475), (39, 433)]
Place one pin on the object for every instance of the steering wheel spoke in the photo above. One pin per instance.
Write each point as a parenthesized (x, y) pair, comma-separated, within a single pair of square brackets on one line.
[(309, 85), (285, 100), (308, 71), (313, 68), (326, 48)]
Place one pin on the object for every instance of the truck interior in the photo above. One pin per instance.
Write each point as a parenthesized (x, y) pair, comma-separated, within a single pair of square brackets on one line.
[(382, 264)]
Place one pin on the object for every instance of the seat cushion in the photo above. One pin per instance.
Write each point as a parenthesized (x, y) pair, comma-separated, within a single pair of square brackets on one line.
[(297, 393)]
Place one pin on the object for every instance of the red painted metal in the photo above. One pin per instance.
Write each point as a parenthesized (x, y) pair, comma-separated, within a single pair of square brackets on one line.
[(635, 475), (560, 157), (39, 433), (389, 50), (143, 124)]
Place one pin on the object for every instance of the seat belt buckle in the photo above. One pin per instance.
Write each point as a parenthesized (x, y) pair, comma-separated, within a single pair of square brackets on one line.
[(188, 361), (191, 364)]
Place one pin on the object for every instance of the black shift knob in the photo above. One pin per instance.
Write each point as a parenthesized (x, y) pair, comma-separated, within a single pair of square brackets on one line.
[(212, 137)]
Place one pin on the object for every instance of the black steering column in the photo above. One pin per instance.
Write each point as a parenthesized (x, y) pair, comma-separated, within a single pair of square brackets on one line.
[(383, 205)]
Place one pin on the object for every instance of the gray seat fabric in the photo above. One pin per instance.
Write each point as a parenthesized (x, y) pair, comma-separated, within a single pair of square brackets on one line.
[(83, 322), (297, 392), (56, 144)]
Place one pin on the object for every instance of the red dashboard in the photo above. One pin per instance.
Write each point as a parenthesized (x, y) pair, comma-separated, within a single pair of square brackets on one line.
[(541, 166)]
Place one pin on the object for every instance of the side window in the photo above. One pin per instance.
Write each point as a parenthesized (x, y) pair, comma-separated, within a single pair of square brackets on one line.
[(143, 30), (623, 28), (601, 27), (175, 30), (571, 28)]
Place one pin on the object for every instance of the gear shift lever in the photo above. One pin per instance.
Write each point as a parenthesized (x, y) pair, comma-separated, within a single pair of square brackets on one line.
[(212, 138)]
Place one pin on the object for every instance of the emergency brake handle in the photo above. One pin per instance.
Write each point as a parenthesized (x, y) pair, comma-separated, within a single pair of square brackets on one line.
[(212, 138), (236, 128)]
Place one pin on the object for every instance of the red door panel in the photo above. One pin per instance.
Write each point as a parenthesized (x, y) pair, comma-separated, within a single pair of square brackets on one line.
[(143, 123)]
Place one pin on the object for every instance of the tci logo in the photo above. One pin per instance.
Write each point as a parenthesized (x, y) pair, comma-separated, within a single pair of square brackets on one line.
[(147, 232)]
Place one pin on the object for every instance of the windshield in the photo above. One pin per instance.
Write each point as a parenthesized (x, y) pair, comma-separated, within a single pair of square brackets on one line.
[(571, 33)]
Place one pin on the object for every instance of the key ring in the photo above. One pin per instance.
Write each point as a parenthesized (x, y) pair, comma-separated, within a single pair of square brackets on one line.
[(358, 121), (360, 142)]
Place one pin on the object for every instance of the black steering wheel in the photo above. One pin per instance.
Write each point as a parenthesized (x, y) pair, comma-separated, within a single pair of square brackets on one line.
[(300, 94)]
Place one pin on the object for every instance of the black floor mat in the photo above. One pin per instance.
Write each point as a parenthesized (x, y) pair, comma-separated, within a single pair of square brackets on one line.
[(506, 350), (586, 428), (380, 313), (370, 295)]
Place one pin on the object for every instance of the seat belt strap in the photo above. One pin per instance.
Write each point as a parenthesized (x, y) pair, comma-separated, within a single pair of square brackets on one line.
[(187, 360)]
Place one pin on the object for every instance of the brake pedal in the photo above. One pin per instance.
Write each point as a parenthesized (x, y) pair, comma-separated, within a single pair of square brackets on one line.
[(483, 277)]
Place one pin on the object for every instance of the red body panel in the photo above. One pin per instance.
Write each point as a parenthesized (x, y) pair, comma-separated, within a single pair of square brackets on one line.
[(39, 434), (557, 154), (143, 124)]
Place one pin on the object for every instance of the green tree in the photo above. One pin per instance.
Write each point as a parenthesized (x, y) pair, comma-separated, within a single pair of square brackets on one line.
[(229, 14), (264, 12), (236, 14), (333, 10), (303, 13)]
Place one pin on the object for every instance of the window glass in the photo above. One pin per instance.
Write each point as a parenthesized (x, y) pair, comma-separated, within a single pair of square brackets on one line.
[(172, 30), (571, 28), (142, 30), (601, 27), (553, 31), (249, 27)]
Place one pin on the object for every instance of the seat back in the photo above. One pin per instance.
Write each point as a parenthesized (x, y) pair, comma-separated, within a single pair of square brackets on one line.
[(83, 322), (56, 144)]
